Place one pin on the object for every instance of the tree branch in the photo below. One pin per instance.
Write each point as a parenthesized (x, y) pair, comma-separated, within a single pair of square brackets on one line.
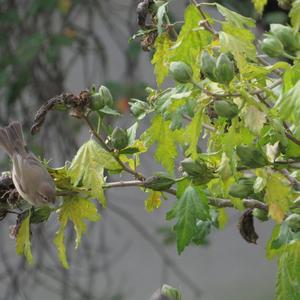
[(217, 202)]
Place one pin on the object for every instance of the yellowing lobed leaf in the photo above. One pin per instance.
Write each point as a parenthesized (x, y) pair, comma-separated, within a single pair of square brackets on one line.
[(160, 57), (191, 40), (23, 244), (87, 168), (278, 196), (259, 5), (153, 201), (288, 276), (160, 133), (75, 210)]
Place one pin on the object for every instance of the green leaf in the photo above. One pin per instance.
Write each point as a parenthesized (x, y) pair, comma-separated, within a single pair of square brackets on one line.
[(160, 57), (161, 13), (189, 208), (289, 106), (277, 196), (288, 276), (87, 168), (191, 40), (192, 135), (295, 15), (234, 18), (75, 210), (160, 133), (109, 111), (23, 243), (259, 5)]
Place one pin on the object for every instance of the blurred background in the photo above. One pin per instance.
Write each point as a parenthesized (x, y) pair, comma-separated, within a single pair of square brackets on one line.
[(48, 47)]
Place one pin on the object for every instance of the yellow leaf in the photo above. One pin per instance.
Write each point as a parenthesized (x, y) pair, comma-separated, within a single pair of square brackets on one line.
[(278, 196), (153, 201), (64, 5), (276, 212), (75, 210), (160, 58), (23, 244)]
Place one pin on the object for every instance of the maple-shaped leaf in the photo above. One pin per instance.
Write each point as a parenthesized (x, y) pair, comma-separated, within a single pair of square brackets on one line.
[(87, 168), (23, 243), (191, 207), (191, 40), (76, 210), (160, 57), (277, 196), (159, 132)]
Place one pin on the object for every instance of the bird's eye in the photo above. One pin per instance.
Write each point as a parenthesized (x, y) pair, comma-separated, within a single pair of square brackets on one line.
[(45, 198)]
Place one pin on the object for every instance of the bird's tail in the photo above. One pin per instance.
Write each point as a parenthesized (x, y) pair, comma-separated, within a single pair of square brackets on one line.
[(12, 140)]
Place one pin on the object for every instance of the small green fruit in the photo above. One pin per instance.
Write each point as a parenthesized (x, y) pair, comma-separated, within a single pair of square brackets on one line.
[(119, 138), (251, 156), (240, 190), (260, 214), (208, 66), (106, 96), (159, 182), (272, 46), (96, 102), (170, 292), (226, 109), (181, 72), (293, 222), (287, 36), (224, 69)]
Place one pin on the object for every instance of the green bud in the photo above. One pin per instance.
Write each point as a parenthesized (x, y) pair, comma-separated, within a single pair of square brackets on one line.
[(285, 4), (119, 138), (170, 292), (101, 99), (181, 72), (224, 69), (293, 222), (260, 214), (208, 66), (96, 102), (191, 167), (106, 96), (272, 46), (240, 190), (286, 35), (198, 170), (138, 107), (226, 109), (251, 156), (159, 182)]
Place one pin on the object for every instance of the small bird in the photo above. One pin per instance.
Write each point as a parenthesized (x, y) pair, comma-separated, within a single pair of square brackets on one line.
[(31, 178)]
